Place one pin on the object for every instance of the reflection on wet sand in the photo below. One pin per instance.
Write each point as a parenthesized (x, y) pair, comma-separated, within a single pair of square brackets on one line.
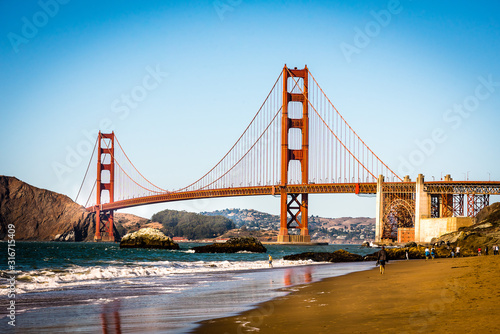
[(110, 318), (110, 313), (298, 276)]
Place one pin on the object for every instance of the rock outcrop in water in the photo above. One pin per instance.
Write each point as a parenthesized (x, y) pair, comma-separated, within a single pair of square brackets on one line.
[(148, 238), (337, 256), (233, 245)]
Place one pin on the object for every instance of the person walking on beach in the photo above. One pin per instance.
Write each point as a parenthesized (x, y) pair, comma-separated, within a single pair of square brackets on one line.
[(382, 259), (427, 253), (433, 253), (479, 251), (270, 261), (407, 253), (486, 250), (495, 250), (457, 251)]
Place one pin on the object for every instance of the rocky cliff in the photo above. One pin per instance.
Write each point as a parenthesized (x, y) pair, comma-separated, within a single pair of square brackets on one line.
[(484, 233), (43, 215)]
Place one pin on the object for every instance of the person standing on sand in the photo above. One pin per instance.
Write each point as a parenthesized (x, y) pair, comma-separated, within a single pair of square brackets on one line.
[(479, 251), (427, 253), (382, 259), (433, 253), (495, 250), (407, 253), (457, 252), (486, 250), (270, 261)]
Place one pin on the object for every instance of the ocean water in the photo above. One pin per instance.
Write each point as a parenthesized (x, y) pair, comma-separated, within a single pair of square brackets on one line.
[(98, 287)]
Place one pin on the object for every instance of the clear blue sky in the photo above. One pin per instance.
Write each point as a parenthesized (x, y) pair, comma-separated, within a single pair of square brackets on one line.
[(403, 74)]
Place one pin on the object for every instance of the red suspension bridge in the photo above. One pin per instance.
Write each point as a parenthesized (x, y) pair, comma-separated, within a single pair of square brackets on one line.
[(297, 144)]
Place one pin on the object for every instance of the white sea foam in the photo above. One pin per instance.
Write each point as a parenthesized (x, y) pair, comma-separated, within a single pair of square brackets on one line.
[(47, 279)]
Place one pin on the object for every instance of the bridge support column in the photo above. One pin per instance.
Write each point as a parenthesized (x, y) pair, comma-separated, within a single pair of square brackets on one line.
[(476, 202), (447, 201), (446, 205), (422, 206), (104, 223), (379, 221), (104, 226), (294, 205)]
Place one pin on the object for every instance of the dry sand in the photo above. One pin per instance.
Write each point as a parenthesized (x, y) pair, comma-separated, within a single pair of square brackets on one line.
[(460, 295)]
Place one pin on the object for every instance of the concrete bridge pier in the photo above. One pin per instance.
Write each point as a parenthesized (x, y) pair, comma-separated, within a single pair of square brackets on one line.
[(422, 205), (380, 209)]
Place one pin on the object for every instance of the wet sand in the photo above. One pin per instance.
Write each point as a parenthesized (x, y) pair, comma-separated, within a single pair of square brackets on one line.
[(460, 295)]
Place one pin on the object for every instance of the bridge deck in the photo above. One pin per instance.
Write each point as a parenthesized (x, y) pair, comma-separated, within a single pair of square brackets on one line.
[(363, 188), (463, 187), (434, 187)]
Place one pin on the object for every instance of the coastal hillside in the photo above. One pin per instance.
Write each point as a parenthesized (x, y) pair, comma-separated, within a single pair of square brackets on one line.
[(43, 215), (333, 230)]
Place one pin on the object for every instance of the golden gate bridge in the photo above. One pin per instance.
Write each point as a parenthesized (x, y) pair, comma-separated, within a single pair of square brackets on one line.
[(297, 144)]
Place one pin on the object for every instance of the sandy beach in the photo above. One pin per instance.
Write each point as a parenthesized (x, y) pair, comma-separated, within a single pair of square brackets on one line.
[(459, 295)]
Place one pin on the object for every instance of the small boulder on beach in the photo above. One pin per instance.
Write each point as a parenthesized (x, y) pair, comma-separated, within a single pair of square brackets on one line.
[(148, 238), (233, 245)]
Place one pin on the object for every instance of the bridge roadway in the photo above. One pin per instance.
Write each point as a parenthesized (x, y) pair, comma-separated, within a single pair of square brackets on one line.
[(433, 187)]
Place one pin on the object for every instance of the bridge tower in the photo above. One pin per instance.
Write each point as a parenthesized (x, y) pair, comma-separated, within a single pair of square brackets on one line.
[(105, 163), (294, 204)]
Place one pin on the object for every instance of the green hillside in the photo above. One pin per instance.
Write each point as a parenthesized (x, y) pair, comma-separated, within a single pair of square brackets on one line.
[(192, 225)]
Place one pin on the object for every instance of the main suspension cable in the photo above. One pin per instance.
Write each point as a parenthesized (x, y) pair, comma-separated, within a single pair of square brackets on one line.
[(81, 186)]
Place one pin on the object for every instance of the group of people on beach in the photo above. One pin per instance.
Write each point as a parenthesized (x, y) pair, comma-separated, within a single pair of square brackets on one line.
[(456, 252), (430, 253), (382, 257), (495, 250)]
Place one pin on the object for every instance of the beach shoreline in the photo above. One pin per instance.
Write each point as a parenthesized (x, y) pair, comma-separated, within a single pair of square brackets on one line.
[(83, 286), (457, 295)]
